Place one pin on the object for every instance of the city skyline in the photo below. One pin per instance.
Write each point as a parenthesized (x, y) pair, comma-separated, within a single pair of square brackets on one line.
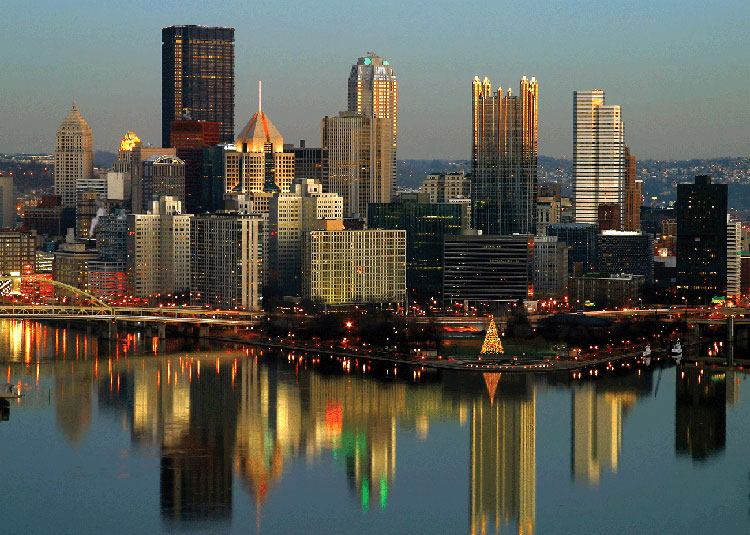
[(663, 88)]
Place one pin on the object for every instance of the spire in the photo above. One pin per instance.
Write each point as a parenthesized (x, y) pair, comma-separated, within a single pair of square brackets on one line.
[(74, 105), (260, 101)]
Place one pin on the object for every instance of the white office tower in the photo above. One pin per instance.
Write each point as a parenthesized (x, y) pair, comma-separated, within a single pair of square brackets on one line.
[(74, 157), (734, 248), (598, 155)]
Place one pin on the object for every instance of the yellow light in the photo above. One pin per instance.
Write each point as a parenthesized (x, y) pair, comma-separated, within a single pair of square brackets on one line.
[(129, 141)]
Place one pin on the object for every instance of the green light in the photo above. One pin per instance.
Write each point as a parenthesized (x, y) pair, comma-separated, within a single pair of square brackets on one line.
[(365, 494), (383, 492), (386, 62), (367, 61)]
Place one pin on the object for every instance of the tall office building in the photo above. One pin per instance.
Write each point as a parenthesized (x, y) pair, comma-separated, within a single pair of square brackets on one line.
[(289, 216), (197, 77), (441, 187), (159, 250), (550, 268), (598, 155), (373, 91), (734, 252), (360, 149), (74, 156), (311, 162), (189, 138), (504, 158), (7, 202), (426, 225), (701, 239), (633, 194), (163, 176), (354, 266), (581, 239), (260, 166), (226, 261), (620, 251)]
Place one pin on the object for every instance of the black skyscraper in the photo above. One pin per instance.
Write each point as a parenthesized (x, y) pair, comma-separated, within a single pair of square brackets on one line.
[(701, 239), (197, 78)]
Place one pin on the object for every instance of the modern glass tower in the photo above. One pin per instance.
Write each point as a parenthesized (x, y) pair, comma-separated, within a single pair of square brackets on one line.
[(197, 77), (504, 158), (373, 91), (598, 155)]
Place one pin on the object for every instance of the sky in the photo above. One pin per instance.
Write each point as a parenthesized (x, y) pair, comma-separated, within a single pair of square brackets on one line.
[(678, 68)]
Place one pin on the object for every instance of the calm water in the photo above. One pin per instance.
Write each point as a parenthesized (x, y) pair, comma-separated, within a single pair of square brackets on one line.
[(143, 437)]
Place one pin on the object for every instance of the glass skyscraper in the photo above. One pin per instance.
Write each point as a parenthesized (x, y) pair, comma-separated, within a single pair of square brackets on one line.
[(197, 78), (504, 158)]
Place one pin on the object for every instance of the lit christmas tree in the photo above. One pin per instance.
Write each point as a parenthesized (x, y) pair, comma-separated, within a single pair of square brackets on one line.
[(492, 344)]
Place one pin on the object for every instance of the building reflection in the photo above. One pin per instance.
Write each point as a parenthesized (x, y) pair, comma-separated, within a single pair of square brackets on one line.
[(598, 410), (701, 397), (503, 456)]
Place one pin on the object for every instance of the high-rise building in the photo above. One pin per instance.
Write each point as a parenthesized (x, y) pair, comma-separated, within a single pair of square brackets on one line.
[(159, 250), (189, 138), (734, 253), (360, 150), (88, 204), (581, 239), (17, 251), (550, 268), (111, 232), (226, 261), (197, 78), (442, 187), (598, 155), (504, 158), (74, 156), (426, 225), (7, 203), (129, 167), (633, 194), (46, 217), (701, 239), (609, 216), (488, 270), (373, 91), (311, 162), (289, 216), (354, 266), (259, 167), (71, 264), (620, 251), (163, 176)]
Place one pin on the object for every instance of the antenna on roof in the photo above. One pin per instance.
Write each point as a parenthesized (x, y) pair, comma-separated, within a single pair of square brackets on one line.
[(260, 87)]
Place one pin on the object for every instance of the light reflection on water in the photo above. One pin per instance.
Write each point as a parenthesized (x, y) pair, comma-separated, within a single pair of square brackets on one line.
[(184, 436)]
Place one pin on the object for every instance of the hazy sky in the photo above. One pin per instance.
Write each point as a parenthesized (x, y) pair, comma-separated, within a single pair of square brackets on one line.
[(678, 68)]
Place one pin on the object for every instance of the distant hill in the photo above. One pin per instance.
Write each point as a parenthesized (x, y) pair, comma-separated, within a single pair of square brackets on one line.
[(102, 158)]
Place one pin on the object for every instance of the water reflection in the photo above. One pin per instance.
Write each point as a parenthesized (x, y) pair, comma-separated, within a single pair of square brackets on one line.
[(213, 417)]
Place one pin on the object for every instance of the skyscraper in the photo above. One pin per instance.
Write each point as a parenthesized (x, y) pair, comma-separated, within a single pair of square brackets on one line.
[(504, 158), (633, 194), (373, 91), (189, 138), (197, 77), (7, 202), (701, 239), (74, 156), (359, 151), (598, 155)]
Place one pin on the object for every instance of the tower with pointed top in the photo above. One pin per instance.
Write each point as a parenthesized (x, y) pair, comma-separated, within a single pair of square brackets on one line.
[(504, 157), (74, 156), (259, 167)]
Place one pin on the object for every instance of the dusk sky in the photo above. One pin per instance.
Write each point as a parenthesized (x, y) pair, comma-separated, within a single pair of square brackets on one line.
[(678, 68)]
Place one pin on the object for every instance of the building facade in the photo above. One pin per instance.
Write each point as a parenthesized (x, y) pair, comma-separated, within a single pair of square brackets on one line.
[(311, 162), (488, 270), (289, 216), (550, 268), (426, 225), (71, 264), (17, 252), (74, 156), (626, 252), (604, 291), (197, 77), (598, 155), (701, 210), (633, 194), (159, 251), (188, 138), (581, 240), (442, 187), (7, 203), (341, 267), (504, 158), (373, 92), (226, 261), (360, 153), (734, 254), (163, 176)]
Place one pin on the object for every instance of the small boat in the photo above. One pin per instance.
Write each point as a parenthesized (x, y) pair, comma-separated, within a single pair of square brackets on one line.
[(9, 392), (677, 351)]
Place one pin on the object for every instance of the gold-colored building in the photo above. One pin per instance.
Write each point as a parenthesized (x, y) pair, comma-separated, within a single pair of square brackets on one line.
[(74, 156), (354, 266)]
